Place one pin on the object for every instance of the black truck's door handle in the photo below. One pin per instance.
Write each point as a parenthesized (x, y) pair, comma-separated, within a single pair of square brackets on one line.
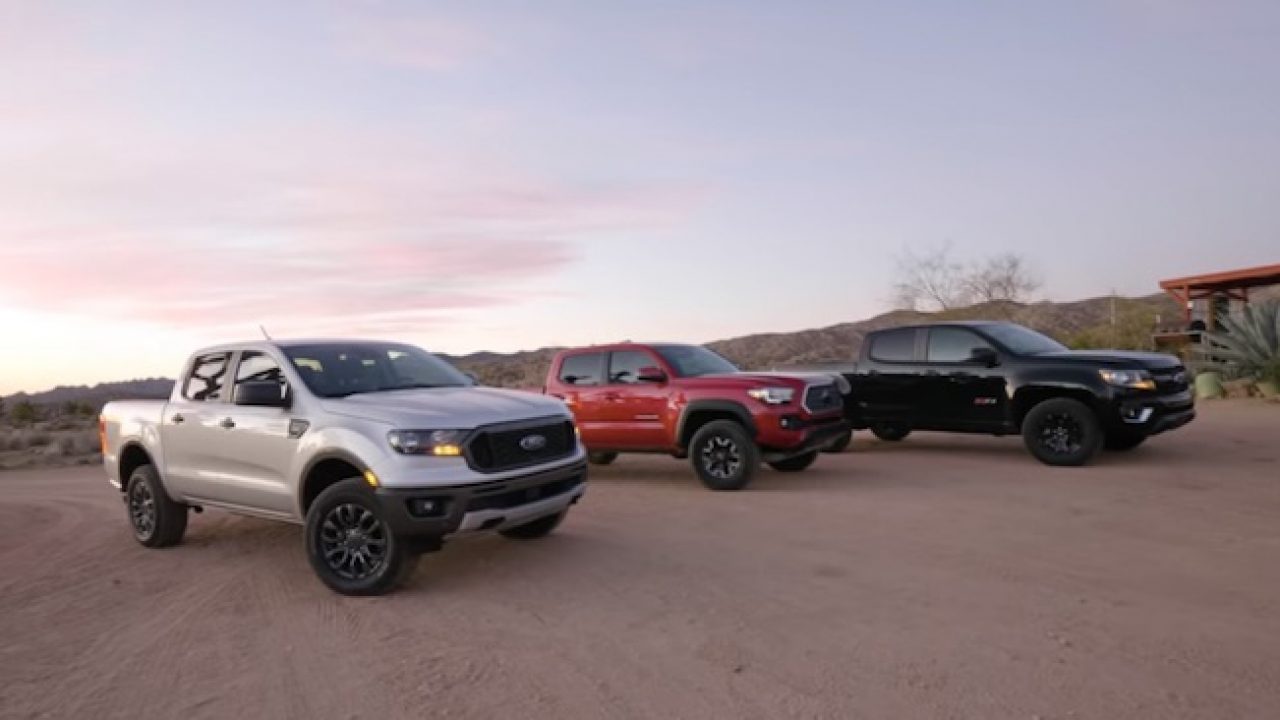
[(227, 423), (178, 419)]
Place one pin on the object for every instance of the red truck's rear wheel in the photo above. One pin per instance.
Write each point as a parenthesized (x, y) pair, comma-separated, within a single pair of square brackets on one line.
[(724, 455)]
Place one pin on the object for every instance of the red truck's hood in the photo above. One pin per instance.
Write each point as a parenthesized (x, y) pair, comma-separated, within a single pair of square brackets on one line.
[(758, 379)]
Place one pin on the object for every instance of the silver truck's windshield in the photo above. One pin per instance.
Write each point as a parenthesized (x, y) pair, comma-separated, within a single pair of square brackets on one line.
[(694, 360), (335, 370)]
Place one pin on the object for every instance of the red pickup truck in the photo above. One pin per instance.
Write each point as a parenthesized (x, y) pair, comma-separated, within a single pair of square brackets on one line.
[(688, 401)]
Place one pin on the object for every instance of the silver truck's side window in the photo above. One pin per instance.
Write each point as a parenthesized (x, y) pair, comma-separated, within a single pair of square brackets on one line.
[(207, 377), (259, 366)]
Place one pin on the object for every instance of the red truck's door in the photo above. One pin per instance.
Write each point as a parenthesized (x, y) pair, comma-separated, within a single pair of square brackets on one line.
[(633, 410), (579, 381)]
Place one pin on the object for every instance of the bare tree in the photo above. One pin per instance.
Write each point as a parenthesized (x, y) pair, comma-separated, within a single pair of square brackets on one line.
[(932, 279), (1004, 277)]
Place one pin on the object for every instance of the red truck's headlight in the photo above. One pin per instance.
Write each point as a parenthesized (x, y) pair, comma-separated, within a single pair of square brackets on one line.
[(772, 395)]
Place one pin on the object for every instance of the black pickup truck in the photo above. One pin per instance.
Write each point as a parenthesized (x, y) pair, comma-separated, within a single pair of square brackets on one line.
[(1002, 379)]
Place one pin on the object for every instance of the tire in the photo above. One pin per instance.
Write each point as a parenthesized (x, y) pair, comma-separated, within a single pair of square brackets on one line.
[(890, 432), (1120, 442), (795, 464), (350, 545), (723, 455), (157, 520), (841, 444), (1062, 432), (602, 458), (536, 529)]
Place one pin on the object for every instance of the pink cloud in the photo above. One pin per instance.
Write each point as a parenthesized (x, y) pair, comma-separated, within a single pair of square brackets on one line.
[(406, 39)]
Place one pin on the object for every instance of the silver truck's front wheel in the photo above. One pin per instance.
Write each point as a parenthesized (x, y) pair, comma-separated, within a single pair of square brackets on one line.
[(349, 544)]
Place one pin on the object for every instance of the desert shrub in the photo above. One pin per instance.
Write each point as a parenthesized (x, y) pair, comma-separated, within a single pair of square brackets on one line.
[(24, 413), (38, 438), (1249, 343)]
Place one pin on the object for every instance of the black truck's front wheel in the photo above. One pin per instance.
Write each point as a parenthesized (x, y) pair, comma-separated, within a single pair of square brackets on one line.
[(1062, 431), (890, 432), (795, 464), (350, 545), (840, 444), (724, 455), (157, 520)]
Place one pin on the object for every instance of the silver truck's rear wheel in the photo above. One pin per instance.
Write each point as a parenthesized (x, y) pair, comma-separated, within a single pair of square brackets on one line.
[(157, 520), (350, 545)]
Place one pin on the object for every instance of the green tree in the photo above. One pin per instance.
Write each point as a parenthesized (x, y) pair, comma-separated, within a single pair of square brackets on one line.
[(25, 413)]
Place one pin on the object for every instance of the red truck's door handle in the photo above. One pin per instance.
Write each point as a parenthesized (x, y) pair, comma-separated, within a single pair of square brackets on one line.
[(227, 423), (178, 419)]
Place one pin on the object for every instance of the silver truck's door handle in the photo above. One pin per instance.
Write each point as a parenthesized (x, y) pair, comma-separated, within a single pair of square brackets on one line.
[(227, 423), (178, 419)]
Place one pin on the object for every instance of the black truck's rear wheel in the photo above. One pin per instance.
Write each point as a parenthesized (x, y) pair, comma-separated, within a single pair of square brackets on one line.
[(350, 545), (1062, 431), (157, 520), (724, 455), (890, 432)]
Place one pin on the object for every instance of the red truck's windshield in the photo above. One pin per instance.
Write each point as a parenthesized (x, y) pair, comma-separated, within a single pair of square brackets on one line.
[(694, 360)]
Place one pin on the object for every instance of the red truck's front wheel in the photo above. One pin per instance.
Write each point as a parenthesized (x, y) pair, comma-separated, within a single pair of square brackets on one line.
[(724, 455)]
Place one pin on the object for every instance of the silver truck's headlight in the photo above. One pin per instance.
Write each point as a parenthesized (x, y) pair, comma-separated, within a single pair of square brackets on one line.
[(1136, 379), (441, 443), (772, 395)]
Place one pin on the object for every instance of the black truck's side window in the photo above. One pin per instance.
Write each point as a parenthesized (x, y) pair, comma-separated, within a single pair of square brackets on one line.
[(953, 345), (894, 346), (581, 369)]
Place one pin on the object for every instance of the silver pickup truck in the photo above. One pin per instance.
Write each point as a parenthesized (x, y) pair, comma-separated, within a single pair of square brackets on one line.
[(381, 450)]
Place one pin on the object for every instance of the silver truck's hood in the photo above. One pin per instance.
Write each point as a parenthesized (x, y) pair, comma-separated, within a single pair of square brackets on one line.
[(459, 408)]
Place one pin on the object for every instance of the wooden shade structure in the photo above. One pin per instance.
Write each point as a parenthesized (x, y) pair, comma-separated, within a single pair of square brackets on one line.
[(1233, 284)]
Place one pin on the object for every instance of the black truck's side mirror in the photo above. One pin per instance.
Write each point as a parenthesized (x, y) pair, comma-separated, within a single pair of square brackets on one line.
[(262, 393), (984, 356)]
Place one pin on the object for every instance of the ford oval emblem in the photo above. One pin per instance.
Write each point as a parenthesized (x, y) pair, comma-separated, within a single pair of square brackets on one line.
[(533, 443)]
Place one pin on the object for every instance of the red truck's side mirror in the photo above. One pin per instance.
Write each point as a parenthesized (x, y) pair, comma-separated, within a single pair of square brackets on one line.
[(651, 374)]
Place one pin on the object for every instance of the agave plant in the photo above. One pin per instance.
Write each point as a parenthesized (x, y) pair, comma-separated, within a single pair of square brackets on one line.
[(1250, 342)]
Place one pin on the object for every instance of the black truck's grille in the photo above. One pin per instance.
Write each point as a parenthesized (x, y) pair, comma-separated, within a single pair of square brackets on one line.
[(1172, 380), (500, 448), (822, 398)]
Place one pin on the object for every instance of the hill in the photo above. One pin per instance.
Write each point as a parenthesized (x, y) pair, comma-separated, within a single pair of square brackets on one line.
[(1084, 323)]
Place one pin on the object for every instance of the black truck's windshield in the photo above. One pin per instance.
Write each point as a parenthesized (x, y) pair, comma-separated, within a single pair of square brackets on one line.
[(335, 370), (1022, 341), (694, 360)]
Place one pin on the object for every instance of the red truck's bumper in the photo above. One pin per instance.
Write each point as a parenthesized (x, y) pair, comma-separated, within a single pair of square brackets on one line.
[(782, 435)]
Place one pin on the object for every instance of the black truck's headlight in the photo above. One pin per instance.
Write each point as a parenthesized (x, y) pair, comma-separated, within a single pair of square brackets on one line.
[(1135, 379), (441, 443)]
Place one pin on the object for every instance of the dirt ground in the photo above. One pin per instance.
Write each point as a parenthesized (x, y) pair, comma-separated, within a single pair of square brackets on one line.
[(941, 577)]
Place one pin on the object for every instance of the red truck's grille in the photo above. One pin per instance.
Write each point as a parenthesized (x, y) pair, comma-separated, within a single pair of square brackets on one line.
[(499, 448), (822, 399)]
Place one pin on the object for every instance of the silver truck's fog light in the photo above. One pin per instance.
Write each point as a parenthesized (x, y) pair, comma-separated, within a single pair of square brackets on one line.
[(426, 507)]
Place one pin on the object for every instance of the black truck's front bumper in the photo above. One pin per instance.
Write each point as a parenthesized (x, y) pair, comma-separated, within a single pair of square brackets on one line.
[(432, 513), (1153, 414)]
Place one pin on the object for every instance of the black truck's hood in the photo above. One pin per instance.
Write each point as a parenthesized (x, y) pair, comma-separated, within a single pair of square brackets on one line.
[(1118, 358)]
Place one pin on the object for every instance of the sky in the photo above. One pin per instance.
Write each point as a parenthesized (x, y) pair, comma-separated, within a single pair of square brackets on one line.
[(508, 175)]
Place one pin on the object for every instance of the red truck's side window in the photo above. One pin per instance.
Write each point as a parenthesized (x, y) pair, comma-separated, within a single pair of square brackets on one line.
[(624, 365), (579, 370)]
